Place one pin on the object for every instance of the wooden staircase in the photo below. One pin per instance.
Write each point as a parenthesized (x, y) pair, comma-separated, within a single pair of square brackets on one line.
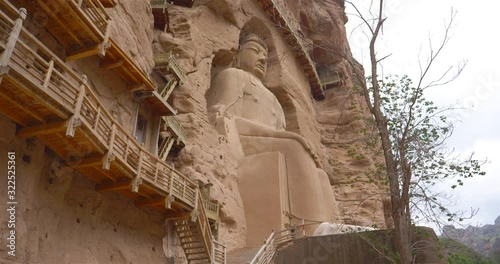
[(197, 240)]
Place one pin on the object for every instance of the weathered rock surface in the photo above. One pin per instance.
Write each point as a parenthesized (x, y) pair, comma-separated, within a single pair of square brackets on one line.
[(60, 218), (63, 220)]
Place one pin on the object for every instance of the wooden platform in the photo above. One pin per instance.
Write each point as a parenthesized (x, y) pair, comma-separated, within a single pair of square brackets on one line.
[(117, 60), (82, 27), (56, 105), (279, 17), (48, 100)]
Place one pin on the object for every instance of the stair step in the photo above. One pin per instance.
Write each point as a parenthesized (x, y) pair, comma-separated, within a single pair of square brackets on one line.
[(198, 258), (195, 250), (200, 253), (185, 227), (193, 245), (189, 236)]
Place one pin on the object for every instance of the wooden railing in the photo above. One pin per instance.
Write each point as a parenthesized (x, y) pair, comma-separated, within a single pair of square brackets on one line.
[(332, 77), (95, 13), (137, 160), (204, 226), (275, 241), (168, 60), (63, 89), (173, 123), (218, 253), (165, 93), (212, 210)]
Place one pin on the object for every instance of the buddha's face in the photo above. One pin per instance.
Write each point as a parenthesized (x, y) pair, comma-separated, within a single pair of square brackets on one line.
[(252, 58)]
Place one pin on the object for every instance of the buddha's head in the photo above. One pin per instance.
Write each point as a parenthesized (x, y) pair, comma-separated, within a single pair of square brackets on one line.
[(252, 55)]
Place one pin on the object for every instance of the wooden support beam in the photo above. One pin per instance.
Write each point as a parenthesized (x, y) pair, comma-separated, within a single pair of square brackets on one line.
[(89, 162), (153, 202), (119, 186), (105, 44), (82, 53), (111, 64), (170, 200), (43, 129), (137, 87), (136, 182), (25, 108), (107, 159)]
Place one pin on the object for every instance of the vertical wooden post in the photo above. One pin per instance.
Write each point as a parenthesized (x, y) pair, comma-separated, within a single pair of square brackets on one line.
[(49, 74), (138, 180), (75, 121), (105, 43), (156, 171), (110, 156), (12, 40), (224, 253), (170, 189), (213, 250), (97, 116), (196, 207)]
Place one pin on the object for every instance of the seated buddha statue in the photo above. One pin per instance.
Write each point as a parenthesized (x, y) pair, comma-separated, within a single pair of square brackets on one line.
[(253, 121)]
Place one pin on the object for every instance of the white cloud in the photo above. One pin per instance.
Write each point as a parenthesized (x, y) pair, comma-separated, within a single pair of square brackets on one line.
[(406, 36)]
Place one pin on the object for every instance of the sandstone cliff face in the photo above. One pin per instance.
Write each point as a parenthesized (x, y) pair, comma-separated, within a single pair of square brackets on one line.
[(205, 38), (63, 220)]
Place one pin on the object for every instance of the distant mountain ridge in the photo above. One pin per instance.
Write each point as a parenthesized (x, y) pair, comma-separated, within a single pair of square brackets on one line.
[(484, 239)]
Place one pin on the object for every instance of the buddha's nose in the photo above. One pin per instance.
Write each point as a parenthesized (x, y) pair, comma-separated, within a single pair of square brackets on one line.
[(262, 59)]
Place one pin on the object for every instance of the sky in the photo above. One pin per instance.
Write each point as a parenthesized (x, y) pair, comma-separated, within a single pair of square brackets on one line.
[(409, 27)]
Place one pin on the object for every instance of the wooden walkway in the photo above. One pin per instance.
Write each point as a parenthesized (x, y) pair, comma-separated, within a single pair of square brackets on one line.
[(280, 17), (49, 100), (43, 95)]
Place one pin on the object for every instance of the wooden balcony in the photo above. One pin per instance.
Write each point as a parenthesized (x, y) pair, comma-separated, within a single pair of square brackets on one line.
[(283, 20), (117, 60), (330, 79), (172, 136), (81, 26), (50, 101), (211, 210), (157, 101), (166, 63), (171, 123)]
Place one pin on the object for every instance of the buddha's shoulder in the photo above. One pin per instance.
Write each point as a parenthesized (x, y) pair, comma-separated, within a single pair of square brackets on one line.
[(232, 72)]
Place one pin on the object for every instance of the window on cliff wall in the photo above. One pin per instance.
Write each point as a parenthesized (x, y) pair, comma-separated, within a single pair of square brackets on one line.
[(140, 129)]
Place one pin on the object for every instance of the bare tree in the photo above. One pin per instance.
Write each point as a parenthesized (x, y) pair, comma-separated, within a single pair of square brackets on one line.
[(412, 132)]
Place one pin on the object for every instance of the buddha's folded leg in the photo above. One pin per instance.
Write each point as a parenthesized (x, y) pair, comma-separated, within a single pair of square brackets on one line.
[(306, 194)]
